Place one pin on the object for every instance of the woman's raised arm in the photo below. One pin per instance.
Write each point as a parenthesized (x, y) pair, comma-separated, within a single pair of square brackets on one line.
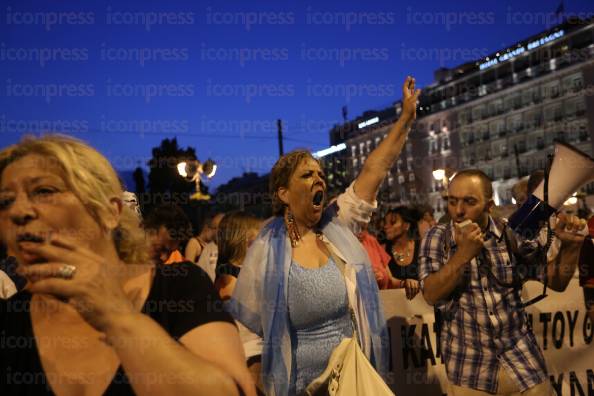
[(381, 159)]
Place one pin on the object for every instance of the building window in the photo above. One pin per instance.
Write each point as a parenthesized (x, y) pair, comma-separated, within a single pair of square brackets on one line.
[(549, 115), (558, 113), (531, 144), (507, 172), (572, 83), (552, 90), (498, 172), (462, 118), (433, 146), (400, 179), (503, 150), (516, 101), (577, 83), (549, 137), (583, 134), (446, 143), (517, 122), (470, 139), (411, 177)]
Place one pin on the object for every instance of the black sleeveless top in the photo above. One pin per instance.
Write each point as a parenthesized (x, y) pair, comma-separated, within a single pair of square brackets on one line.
[(181, 298), (410, 271), (228, 269)]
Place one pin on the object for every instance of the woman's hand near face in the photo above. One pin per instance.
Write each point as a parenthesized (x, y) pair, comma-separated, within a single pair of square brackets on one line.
[(94, 289)]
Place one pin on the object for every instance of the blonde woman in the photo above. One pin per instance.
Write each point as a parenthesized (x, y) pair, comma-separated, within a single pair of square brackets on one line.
[(291, 290), (99, 316)]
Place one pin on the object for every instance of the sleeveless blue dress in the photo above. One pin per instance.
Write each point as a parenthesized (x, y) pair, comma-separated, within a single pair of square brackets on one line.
[(320, 319)]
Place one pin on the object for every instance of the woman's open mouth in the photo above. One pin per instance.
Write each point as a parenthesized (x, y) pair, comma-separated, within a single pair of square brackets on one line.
[(317, 199)]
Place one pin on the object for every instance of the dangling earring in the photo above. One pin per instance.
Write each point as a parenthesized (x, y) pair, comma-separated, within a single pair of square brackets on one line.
[(292, 229)]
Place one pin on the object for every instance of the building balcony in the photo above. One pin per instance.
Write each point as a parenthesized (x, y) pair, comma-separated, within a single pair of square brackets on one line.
[(577, 87)]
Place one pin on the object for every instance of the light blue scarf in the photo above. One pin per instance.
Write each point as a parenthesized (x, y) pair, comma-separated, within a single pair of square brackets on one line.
[(259, 301)]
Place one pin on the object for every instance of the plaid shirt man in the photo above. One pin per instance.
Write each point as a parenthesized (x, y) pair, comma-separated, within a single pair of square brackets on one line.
[(485, 327)]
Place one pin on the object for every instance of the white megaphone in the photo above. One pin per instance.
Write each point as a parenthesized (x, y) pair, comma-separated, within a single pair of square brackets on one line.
[(570, 170)]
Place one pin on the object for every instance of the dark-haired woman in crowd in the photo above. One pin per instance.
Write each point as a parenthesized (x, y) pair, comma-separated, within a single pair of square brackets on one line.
[(402, 244), (307, 266)]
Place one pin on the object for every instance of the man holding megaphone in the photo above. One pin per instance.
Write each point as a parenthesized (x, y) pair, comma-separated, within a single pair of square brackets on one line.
[(472, 270)]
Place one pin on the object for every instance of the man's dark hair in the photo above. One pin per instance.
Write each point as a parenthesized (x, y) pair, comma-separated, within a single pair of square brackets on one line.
[(485, 180), (173, 218)]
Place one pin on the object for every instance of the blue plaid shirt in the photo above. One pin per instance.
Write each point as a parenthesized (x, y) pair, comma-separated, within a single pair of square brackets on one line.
[(485, 327)]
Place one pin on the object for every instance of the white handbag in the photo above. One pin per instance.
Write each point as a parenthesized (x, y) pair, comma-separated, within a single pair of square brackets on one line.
[(348, 373)]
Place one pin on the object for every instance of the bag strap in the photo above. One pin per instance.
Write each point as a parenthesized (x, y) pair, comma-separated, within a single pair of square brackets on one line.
[(342, 268)]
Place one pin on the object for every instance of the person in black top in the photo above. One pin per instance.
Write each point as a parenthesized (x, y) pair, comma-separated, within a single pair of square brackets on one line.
[(402, 244), (97, 316)]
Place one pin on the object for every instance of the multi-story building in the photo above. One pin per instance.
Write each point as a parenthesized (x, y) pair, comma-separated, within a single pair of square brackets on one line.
[(500, 114)]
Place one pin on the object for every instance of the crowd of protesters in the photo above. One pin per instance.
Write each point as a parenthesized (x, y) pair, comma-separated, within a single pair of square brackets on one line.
[(245, 305)]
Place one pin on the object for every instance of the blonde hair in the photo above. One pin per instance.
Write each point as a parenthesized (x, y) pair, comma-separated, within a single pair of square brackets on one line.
[(232, 235), (90, 176)]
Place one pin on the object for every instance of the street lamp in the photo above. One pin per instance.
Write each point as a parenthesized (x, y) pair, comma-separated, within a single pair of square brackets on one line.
[(439, 174), (193, 170)]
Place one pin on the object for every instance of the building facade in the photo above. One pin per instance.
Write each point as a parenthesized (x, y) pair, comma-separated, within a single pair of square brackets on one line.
[(500, 114)]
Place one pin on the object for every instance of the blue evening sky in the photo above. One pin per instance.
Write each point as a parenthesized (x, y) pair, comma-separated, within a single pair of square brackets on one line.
[(124, 75)]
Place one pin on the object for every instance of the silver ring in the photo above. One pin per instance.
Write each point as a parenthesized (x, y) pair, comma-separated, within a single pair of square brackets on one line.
[(67, 271)]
